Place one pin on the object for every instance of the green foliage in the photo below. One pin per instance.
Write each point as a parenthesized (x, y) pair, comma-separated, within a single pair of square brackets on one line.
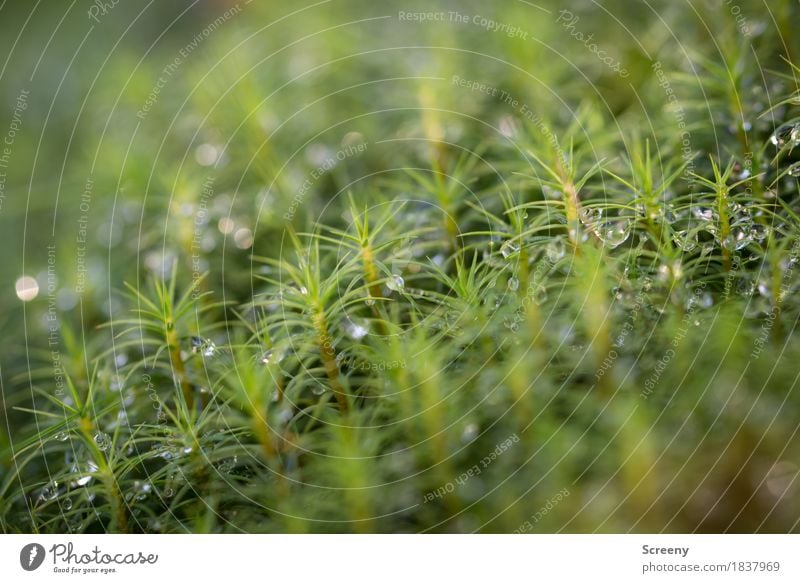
[(349, 294)]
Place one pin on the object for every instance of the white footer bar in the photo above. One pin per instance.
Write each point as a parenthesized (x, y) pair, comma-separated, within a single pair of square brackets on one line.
[(389, 558)]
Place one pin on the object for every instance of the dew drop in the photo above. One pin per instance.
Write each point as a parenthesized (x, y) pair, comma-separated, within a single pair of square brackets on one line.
[(615, 233), (243, 238), (540, 295), (285, 415), (226, 225), (61, 436), (552, 193), (746, 287), (508, 249), (271, 356), (703, 214), (205, 347), (49, 492), (738, 238), (705, 300), (228, 465), (27, 289), (781, 478), (470, 432), (396, 283), (356, 329), (687, 242), (206, 154), (66, 504), (507, 126), (794, 169), (141, 489), (102, 441), (589, 216), (513, 284), (759, 232), (85, 472), (555, 250), (786, 134)]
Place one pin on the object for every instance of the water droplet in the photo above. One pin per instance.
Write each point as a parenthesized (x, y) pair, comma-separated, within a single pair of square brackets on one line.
[(318, 389), (781, 478), (141, 489), (513, 284), (102, 441), (356, 329), (687, 242), (508, 249), (738, 238), (540, 295), (85, 472), (206, 154), (49, 492), (243, 238), (590, 216), (552, 193), (667, 272), (61, 436), (470, 432), (370, 301), (615, 233), (759, 232), (746, 287), (27, 289), (555, 250), (205, 347), (285, 415), (168, 492), (788, 133), (272, 356), (507, 126), (396, 283), (702, 300), (83, 480), (794, 169), (228, 465), (66, 504), (578, 235), (303, 290), (226, 225), (703, 214)]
